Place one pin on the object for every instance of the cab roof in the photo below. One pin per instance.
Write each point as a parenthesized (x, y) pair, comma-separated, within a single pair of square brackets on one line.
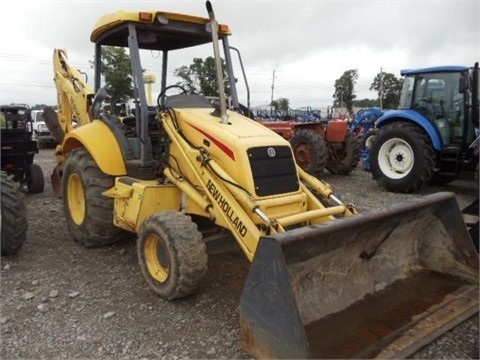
[(156, 30), (435, 69)]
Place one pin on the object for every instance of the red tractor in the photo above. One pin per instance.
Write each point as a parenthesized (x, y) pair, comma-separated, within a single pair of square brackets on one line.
[(325, 144)]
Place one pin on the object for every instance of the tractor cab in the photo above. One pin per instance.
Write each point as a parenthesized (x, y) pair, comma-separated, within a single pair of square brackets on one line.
[(440, 95), (433, 136)]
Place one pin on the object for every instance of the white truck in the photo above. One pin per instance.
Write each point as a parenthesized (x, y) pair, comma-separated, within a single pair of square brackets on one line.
[(41, 133)]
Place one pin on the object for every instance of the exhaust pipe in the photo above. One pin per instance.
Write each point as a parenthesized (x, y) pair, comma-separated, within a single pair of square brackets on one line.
[(218, 64)]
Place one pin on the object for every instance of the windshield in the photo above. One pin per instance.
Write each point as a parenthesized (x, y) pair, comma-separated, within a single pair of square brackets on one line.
[(435, 95), (13, 119)]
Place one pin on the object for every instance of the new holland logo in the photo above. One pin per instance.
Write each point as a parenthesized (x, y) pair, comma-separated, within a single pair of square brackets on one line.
[(271, 152), (227, 209)]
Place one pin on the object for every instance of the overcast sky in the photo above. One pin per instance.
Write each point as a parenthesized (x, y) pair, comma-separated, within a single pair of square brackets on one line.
[(309, 44)]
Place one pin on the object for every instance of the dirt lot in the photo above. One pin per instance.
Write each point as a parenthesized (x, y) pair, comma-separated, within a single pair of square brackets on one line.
[(61, 300)]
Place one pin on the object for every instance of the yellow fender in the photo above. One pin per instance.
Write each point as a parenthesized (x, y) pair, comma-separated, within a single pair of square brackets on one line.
[(100, 142)]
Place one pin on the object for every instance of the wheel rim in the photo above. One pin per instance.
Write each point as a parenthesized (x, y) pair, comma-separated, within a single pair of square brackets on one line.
[(303, 155), (396, 158), (157, 258), (76, 199), (368, 141)]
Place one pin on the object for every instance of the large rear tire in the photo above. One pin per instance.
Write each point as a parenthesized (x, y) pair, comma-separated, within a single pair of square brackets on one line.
[(344, 160), (310, 151), (14, 218), (35, 180), (88, 213), (172, 255), (402, 158)]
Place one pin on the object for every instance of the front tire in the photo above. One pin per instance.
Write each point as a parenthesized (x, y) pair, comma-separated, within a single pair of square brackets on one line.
[(172, 255), (310, 151), (367, 140), (35, 180), (14, 218), (88, 213), (344, 160), (402, 158)]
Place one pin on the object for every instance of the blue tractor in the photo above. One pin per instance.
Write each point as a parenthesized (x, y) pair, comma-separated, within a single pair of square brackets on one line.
[(433, 135), (363, 127), (364, 121)]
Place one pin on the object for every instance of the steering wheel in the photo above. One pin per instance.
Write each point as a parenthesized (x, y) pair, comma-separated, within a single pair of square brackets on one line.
[(425, 107), (163, 93)]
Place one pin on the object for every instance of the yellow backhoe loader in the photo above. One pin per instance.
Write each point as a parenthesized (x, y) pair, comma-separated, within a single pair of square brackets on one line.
[(324, 281)]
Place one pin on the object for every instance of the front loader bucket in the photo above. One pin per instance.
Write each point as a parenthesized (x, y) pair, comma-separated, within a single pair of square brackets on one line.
[(380, 284)]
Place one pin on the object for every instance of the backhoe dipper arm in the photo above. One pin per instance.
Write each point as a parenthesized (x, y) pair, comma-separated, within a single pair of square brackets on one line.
[(74, 95)]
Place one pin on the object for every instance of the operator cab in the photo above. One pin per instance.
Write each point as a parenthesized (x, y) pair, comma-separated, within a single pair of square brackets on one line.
[(437, 95), (147, 35)]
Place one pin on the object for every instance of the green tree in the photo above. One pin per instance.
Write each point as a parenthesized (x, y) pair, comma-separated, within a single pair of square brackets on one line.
[(392, 88), (345, 90), (201, 77), (281, 104), (40, 107), (116, 70), (366, 103)]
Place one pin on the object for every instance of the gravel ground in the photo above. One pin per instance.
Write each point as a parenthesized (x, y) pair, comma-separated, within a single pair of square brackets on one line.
[(60, 300)]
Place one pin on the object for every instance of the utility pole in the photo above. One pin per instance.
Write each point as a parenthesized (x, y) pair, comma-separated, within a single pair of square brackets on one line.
[(273, 87), (381, 88)]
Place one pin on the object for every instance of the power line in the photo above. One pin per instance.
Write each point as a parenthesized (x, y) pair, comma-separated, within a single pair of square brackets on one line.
[(39, 60), (3, 85)]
